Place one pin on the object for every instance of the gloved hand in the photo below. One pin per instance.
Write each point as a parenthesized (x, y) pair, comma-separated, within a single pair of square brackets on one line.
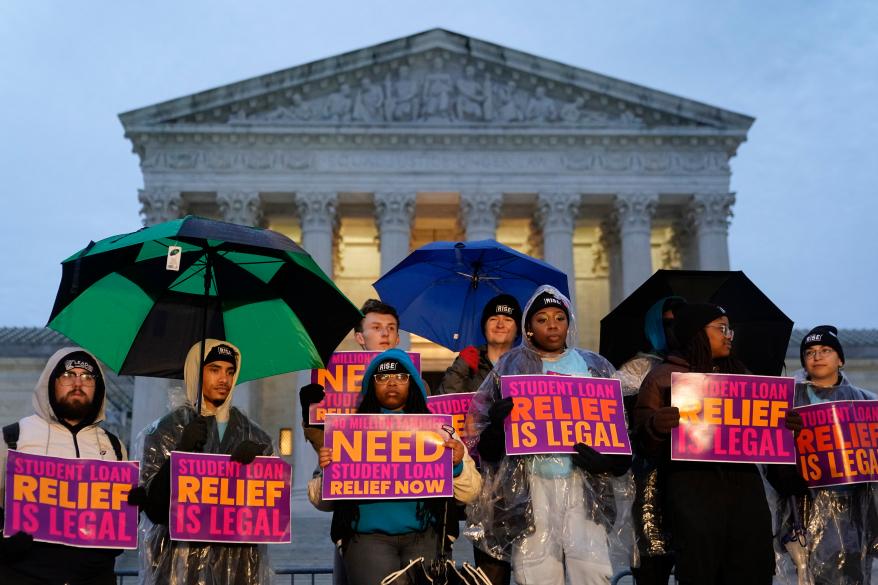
[(492, 441), (247, 451), (308, 395), (194, 435), (470, 354), (16, 547), (137, 497), (665, 419), (594, 462), (793, 421)]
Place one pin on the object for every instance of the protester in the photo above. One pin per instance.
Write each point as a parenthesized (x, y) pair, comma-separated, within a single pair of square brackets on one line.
[(217, 428), (499, 323), (652, 562), (69, 402), (721, 529), (380, 537), (547, 514), (838, 532)]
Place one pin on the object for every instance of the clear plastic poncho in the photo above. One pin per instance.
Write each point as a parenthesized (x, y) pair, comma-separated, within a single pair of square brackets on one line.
[(839, 525), (167, 562), (531, 520)]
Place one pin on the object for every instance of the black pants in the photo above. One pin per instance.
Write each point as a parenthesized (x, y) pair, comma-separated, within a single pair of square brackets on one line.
[(499, 572), (653, 570)]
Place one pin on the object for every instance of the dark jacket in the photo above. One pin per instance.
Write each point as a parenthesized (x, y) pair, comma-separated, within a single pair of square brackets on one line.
[(460, 377)]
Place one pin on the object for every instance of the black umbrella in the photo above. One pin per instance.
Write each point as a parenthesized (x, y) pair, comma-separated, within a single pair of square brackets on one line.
[(762, 331)]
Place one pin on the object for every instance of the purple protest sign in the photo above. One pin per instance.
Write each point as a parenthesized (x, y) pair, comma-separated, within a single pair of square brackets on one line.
[(342, 379), (552, 413), (732, 418), (387, 456), (214, 499), (76, 502), (839, 442)]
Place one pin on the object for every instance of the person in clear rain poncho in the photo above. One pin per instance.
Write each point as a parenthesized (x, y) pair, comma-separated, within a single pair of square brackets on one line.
[(550, 515), (220, 428)]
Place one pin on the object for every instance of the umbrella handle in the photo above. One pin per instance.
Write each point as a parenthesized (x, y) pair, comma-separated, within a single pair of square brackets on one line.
[(207, 280)]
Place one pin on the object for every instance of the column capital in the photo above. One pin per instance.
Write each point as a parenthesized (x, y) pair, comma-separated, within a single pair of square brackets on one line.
[(711, 211), (240, 206), (479, 211), (633, 211), (317, 210), (160, 204), (557, 210), (394, 210)]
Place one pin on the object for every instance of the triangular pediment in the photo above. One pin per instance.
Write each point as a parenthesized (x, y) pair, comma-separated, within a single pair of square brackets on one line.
[(435, 78)]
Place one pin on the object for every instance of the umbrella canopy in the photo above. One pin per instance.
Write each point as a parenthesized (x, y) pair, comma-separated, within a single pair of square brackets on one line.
[(440, 289), (121, 299), (762, 331)]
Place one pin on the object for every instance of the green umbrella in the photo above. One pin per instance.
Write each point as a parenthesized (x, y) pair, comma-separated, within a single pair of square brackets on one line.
[(139, 301)]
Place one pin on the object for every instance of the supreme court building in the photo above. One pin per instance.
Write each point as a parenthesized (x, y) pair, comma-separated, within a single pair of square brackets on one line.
[(367, 155)]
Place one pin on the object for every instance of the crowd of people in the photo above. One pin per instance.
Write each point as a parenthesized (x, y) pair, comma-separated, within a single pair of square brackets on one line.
[(539, 519)]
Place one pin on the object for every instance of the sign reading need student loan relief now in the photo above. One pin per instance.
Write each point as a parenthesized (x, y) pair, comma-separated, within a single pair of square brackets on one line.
[(387, 456), (732, 418), (839, 442), (76, 502), (552, 413), (215, 499), (342, 380)]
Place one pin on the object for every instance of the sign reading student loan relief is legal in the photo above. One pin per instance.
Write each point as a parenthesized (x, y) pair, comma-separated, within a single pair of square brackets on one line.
[(215, 499), (387, 456), (342, 380), (552, 413), (839, 442), (732, 418), (76, 502)]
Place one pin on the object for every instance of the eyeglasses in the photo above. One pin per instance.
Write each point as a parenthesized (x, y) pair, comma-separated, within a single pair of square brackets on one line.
[(399, 377), (811, 354), (69, 378), (725, 330)]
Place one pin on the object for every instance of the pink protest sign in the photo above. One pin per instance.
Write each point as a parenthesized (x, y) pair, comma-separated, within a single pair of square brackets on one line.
[(214, 499), (342, 379), (552, 413), (387, 456), (455, 405), (732, 418), (77, 502), (839, 443)]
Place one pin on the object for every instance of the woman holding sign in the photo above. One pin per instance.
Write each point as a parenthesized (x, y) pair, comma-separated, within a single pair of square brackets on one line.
[(718, 513), (548, 514), (379, 537)]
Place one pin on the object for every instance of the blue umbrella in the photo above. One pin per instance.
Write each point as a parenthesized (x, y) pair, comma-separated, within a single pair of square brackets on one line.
[(440, 289)]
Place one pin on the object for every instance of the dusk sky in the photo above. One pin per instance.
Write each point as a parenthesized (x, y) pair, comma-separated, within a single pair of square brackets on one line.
[(807, 194)]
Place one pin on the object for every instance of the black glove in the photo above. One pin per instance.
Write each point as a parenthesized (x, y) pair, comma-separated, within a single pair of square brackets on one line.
[(194, 435), (16, 547), (137, 497), (308, 395), (247, 451), (793, 421), (665, 419), (594, 462), (492, 441)]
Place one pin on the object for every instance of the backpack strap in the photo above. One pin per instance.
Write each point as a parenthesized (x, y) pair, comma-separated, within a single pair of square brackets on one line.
[(10, 435), (114, 441)]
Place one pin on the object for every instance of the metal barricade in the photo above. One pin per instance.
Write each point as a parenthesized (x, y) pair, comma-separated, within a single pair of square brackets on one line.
[(294, 571)]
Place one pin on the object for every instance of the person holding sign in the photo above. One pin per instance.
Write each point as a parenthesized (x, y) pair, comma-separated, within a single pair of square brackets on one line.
[(380, 537), (836, 518), (219, 428), (547, 514), (69, 400), (718, 512)]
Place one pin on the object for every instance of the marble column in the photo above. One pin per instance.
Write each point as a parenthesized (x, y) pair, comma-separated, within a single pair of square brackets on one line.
[(160, 204), (710, 215), (394, 211), (479, 213), (239, 206), (683, 240), (610, 242), (319, 221), (556, 217), (633, 214)]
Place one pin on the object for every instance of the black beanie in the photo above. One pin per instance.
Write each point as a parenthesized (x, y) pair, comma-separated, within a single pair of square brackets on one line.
[(390, 366), (543, 301), (821, 335), (86, 361), (222, 353), (691, 318), (505, 305)]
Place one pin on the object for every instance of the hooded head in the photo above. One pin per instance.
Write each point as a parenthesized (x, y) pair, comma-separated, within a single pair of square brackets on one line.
[(547, 296), (69, 359), (654, 326), (393, 361), (217, 352)]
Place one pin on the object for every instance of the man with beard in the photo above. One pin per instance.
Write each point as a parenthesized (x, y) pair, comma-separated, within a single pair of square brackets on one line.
[(68, 409)]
